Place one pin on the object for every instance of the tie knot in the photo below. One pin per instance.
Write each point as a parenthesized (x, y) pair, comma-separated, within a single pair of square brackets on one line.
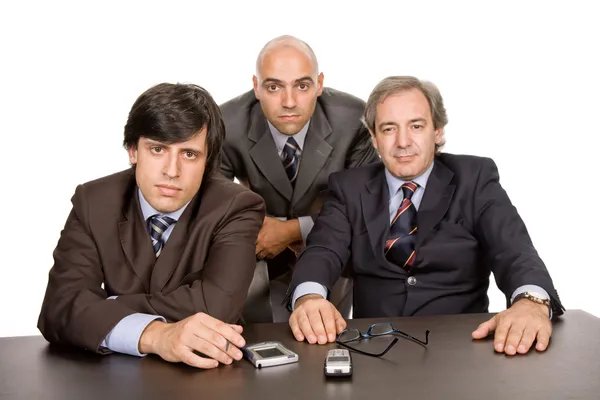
[(408, 189), (291, 148), (160, 223)]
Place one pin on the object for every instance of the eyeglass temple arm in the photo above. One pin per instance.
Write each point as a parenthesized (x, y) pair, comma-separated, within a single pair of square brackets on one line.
[(424, 343), (370, 354)]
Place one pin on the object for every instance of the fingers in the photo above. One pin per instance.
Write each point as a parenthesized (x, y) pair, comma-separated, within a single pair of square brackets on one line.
[(224, 331), (527, 339), (295, 326), (329, 321), (513, 337), (208, 348), (543, 337), (237, 328), (317, 316), (484, 329), (306, 328), (340, 322), (502, 329), (194, 360), (217, 339)]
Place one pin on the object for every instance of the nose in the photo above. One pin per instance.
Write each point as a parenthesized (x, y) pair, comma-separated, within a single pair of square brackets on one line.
[(402, 139), (171, 167), (288, 98)]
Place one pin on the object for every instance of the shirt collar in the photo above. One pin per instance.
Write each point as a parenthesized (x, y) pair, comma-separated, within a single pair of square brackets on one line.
[(148, 210), (281, 139), (394, 183)]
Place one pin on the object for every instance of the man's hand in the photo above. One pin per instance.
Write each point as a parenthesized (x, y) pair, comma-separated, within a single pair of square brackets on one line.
[(517, 328), (316, 319), (275, 236), (177, 342)]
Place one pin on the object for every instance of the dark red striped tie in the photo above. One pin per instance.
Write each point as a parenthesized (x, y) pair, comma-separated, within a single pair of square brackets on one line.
[(400, 245)]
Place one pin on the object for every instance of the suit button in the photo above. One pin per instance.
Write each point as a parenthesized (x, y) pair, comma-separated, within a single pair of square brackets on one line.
[(412, 281)]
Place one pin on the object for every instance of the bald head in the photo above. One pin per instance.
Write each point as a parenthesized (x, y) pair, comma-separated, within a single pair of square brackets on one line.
[(286, 45), (287, 83)]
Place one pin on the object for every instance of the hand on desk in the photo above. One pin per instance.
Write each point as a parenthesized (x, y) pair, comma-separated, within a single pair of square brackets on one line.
[(316, 319), (516, 328), (176, 342), (275, 235)]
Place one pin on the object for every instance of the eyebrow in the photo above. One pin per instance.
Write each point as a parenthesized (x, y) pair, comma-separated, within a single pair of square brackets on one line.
[(385, 123), (279, 81), (151, 142)]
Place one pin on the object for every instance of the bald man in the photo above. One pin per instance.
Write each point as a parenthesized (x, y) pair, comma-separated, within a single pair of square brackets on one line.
[(284, 138)]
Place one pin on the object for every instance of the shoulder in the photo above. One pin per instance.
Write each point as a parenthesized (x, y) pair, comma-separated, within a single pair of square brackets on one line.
[(336, 102), (354, 177), (221, 193), (462, 164), (239, 104), (109, 189)]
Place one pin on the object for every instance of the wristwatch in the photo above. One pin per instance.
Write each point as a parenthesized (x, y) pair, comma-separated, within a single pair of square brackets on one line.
[(535, 297)]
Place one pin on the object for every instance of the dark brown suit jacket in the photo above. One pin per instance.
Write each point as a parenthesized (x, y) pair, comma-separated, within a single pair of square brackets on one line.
[(104, 250), (468, 228)]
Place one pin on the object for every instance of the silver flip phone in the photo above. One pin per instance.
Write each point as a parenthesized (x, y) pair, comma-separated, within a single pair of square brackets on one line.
[(338, 363)]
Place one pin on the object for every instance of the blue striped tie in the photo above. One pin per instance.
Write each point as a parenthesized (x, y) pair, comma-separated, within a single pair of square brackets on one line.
[(157, 225), (290, 157)]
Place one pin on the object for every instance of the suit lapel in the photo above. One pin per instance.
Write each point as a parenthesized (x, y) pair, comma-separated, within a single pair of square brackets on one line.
[(436, 200), (135, 239), (264, 154), (315, 153), (374, 200)]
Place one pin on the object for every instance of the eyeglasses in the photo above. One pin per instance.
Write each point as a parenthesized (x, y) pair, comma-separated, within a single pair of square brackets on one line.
[(379, 329)]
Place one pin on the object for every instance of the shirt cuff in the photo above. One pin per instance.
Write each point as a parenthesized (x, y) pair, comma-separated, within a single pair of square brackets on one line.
[(531, 289), (306, 225), (308, 288), (125, 336)]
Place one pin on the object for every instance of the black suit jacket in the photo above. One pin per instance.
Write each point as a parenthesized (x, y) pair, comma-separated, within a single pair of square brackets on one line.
[(105, 250), (467, 229)]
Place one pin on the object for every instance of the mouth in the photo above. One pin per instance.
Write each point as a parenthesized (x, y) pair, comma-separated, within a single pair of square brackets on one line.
[(168, 190), (406, 158), (292, 117)]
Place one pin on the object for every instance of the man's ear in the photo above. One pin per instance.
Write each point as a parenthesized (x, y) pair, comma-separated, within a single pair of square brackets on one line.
[(132, 152), (439, 135), (320, 79), (255, 86)]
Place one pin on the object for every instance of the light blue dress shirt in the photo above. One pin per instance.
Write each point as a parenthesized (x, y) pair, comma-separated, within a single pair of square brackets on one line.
[(125, 336), (306, 222), (396, 197)]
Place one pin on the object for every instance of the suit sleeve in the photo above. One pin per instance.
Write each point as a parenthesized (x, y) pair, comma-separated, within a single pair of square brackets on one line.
[(328, 245), (514, 260), (220, 288), (362, 151), (75, 309)]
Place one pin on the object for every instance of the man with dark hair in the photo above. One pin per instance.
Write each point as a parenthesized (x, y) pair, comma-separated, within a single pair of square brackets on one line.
[(283, 140), (145, 260), (421, 231)]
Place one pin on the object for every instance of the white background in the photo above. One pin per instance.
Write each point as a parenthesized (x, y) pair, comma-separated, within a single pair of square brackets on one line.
[(520, 81)]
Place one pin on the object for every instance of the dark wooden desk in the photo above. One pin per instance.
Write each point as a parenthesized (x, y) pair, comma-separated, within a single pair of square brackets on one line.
[(452, 367)]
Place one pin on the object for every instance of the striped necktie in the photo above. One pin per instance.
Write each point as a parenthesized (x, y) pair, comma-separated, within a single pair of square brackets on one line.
[(400, 245), (290, 157), (157, 225)]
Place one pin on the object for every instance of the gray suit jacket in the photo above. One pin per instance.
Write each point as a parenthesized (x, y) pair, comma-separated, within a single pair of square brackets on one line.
[(335, 140)]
